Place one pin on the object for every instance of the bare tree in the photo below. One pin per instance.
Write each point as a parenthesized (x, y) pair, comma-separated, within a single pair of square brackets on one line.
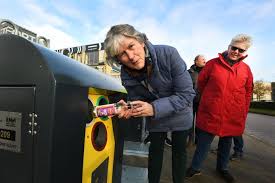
[(260, 89)]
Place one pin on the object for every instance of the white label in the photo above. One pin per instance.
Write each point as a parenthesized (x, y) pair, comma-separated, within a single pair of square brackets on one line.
[(10, 131)]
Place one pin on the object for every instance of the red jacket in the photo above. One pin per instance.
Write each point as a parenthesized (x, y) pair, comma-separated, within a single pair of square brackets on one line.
[(225, 97)]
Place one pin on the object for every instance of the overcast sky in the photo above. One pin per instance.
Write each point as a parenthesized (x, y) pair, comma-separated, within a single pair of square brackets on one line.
[(192, 26)]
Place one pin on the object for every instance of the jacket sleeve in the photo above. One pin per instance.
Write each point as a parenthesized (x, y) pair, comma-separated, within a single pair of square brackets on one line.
[(249, 89), (204, 76), (183, 92)]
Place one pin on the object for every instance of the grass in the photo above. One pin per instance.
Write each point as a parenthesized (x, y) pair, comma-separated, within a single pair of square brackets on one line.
[(269, 112)]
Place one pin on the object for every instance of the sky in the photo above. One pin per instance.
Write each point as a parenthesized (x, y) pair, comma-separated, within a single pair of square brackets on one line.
[(192, 26)]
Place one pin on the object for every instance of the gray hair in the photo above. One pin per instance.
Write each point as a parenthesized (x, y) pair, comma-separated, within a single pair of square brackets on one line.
[(114, 38), (197, 57), (242, 38)]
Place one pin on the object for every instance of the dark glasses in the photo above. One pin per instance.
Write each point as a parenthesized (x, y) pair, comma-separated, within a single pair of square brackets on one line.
[(234, 48)]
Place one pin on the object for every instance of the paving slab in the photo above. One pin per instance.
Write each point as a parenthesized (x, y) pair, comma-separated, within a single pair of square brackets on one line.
[(257, 166)]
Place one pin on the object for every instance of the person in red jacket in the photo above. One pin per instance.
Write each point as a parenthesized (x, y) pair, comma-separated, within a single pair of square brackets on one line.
[(225, 85)]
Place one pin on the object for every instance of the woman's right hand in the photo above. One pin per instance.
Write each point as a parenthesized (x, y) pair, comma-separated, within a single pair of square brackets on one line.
[(124, 112)]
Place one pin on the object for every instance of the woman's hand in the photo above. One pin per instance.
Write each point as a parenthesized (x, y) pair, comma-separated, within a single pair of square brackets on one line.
[(141, 109), (124, 112)]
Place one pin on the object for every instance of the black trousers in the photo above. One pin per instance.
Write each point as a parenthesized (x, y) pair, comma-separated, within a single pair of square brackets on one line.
[(179, 155)]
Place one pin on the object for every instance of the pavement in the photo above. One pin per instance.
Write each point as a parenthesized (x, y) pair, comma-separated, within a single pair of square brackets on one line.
[(257, 165)]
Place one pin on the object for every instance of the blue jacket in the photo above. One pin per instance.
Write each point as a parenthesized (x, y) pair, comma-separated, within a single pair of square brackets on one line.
[(172, 85)]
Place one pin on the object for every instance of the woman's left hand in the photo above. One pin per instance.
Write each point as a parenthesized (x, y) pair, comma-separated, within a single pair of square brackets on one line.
[(141, 109)]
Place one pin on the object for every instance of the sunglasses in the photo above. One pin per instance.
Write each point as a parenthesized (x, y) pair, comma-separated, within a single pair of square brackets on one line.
[(234, 48)]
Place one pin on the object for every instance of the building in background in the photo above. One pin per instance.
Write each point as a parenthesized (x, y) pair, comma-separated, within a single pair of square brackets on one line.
[(8, 27), (92, 55)]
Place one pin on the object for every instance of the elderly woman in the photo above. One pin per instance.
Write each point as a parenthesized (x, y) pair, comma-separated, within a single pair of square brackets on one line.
[(225, 85), (161, 89)]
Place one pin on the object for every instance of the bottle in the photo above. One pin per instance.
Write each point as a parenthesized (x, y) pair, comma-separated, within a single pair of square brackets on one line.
[(108, 109)]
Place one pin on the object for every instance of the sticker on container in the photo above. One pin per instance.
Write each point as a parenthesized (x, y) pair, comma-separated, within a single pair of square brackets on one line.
[(10, 131)]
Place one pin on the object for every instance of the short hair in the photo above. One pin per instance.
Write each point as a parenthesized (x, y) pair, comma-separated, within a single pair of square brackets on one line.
[(242, 38), (197, 57), (115, 36)]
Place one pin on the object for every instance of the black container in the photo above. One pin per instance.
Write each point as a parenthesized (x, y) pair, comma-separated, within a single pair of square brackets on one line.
[(44, 111)]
